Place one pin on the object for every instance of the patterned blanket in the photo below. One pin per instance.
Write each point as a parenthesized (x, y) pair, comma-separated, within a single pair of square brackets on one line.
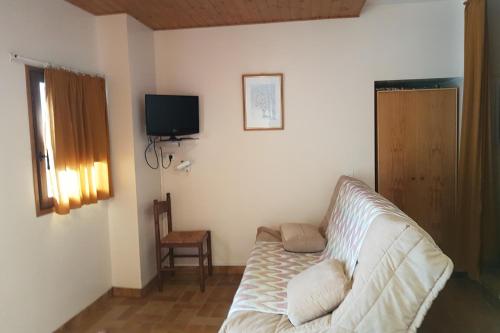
[(356, 207), (270, 267)]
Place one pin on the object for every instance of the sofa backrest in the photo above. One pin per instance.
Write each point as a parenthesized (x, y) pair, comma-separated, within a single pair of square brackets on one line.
[(356, 208), (400, 271)]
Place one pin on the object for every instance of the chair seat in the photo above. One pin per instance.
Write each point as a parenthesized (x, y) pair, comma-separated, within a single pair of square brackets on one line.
[(184, 238), (201, 240)]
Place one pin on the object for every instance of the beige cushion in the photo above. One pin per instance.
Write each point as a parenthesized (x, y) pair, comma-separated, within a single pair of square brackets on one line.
[(400, 271), (316, 291), (298, 237)]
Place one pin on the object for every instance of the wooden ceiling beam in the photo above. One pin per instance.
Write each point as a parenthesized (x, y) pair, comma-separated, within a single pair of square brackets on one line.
[(179, 14)]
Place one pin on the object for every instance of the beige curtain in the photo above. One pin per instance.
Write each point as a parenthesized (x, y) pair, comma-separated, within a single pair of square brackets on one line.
[(475, 143), (79, 139)]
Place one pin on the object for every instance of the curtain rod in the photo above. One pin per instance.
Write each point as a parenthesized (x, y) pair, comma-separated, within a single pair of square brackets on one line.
[(16, 58)]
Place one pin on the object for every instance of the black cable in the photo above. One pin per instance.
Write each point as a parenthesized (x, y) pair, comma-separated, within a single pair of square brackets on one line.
[(152, 141), (162, 159)]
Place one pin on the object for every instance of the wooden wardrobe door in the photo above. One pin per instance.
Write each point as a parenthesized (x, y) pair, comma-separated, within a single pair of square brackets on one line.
[(396, 141), (417, 157)]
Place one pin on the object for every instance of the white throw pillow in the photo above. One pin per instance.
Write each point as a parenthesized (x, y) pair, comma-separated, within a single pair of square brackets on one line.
[(298, 237), (316, 291)]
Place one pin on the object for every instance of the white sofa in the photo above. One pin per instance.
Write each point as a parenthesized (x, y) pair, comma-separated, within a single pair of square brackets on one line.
[(398, 273)]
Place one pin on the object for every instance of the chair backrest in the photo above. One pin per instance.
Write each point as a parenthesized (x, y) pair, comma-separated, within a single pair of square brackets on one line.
[(159, 208)]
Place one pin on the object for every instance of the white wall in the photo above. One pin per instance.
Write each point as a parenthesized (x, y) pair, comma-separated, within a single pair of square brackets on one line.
[(148, 181), (52, 266), (241, 180), (123, 228), (126, 56)]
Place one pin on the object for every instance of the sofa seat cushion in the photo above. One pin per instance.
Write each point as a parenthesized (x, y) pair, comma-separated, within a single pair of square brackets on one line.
[(264, 282), (259, 322), (299, 237), (316, 291)]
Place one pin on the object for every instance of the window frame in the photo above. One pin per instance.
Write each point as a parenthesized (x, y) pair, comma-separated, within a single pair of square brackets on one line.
[(43, 203)]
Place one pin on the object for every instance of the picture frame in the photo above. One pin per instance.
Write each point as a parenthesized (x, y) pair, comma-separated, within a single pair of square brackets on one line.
[(263, 105)]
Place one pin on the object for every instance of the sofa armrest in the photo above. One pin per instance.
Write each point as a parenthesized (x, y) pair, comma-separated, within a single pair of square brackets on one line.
[(302, 238), (265, 234)]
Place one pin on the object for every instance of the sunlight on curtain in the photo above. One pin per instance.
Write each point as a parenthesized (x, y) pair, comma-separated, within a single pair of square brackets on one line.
[(70, 190), (46, 139), (76, 133)]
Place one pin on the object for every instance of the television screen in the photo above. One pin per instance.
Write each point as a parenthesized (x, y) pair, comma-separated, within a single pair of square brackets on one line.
[(168, 115)]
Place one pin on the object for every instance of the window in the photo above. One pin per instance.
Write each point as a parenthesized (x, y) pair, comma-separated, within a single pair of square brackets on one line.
[(67, 113), (42, 157)]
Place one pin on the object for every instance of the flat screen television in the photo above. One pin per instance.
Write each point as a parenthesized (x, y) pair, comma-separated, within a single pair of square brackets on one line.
[(172, 116)]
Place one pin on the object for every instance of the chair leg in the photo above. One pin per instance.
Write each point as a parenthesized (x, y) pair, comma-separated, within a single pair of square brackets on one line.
[(202, 270), (171, 259), (209, 250)]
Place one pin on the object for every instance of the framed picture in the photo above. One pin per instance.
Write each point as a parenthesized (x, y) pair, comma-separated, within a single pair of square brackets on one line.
[(263, 102)]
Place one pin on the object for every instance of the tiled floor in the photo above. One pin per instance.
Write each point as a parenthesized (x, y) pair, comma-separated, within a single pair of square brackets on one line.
[(181, 307), (461, 307)]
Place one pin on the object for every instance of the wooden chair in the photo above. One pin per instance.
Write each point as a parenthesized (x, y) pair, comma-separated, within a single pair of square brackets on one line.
[(178, 239)]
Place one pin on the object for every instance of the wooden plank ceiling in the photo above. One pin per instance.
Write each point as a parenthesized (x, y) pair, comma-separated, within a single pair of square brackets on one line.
[(179, 14)]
